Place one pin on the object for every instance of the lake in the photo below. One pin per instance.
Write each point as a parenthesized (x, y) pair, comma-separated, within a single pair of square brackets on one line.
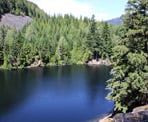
[(54, 94)]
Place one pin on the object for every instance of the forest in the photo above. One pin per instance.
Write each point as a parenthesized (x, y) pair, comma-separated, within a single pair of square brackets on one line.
[(64, 40), (55, 40)]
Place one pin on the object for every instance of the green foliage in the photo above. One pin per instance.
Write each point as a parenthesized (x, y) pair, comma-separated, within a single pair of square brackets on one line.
[(12, 45), (106, 43), (8, 48), (99, 40), (93, 38), (26, 55), (56, 40), (21, 7), (129, 85), (3, 32)]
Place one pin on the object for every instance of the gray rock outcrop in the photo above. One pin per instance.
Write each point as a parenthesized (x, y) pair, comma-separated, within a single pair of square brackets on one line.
[(139, 114), (11, 21)]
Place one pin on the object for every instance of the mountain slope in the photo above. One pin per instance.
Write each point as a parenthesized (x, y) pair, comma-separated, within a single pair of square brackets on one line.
[(20, 7), (18, 22), (17, 13)]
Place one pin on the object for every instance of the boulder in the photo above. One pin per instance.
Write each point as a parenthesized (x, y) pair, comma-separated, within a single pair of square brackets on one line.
[(12, 20), (141, 108), (107, 119), (139, 114)]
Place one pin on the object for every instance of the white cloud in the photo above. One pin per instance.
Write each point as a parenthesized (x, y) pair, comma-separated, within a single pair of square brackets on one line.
[(103, 16), (73, 7)]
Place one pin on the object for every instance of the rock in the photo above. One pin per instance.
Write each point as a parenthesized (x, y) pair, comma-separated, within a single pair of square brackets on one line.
[(118, 117), (99, 62), (106, 119), (12, 20), (128, 117), (144, 115), (139, 114), (141, 108)]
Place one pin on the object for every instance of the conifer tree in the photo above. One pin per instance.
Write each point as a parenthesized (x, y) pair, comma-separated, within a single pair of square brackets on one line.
[(106, 41), (40, 39), (8, 50), (3, 32), (129, 86), (93, 38)]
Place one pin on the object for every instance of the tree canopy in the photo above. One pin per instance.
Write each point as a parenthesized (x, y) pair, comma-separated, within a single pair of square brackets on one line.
[(56, 40), (21, 7), (129, 86)]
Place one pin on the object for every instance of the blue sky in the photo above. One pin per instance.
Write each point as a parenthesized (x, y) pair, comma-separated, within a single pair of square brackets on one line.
[(102, 9)]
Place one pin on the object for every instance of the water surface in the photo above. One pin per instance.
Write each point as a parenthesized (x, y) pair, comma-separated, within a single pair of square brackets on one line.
[(55, 94)]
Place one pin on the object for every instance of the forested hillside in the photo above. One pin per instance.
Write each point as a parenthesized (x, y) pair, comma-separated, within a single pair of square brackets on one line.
[(55, 40), (20, 7), (16, 21), (63, 40)]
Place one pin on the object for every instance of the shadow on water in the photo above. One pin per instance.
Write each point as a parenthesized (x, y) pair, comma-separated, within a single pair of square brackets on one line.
[(95, 76), (73, 93), (15, 86)]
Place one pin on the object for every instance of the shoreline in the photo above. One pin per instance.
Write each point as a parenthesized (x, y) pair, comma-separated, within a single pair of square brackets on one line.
[(106, 62), (139, 114), (39, 63)]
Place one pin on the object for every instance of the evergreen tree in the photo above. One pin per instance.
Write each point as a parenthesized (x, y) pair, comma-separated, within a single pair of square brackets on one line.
[(129, 86), (21, 7), (106, 41), (54, 40), (8, 50), (93, 39), (3, 32)]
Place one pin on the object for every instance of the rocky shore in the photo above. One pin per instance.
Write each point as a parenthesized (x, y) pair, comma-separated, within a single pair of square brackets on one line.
[(99, 62), (139, 114), (36, 64)]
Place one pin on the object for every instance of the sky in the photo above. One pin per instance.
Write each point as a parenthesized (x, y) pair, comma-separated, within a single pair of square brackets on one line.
[(102, 9)]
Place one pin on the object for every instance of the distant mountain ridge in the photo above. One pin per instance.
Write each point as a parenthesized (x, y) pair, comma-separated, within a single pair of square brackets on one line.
[(117, 21)]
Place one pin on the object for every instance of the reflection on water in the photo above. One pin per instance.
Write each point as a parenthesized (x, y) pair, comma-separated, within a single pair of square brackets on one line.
[(65, 94)]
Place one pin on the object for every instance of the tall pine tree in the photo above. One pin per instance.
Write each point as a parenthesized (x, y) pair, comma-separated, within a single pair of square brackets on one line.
[(93, 38), (129, 86), (106, 41)]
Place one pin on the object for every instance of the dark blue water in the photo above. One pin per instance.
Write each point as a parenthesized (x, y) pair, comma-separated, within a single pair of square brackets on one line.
[(55, 94)]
